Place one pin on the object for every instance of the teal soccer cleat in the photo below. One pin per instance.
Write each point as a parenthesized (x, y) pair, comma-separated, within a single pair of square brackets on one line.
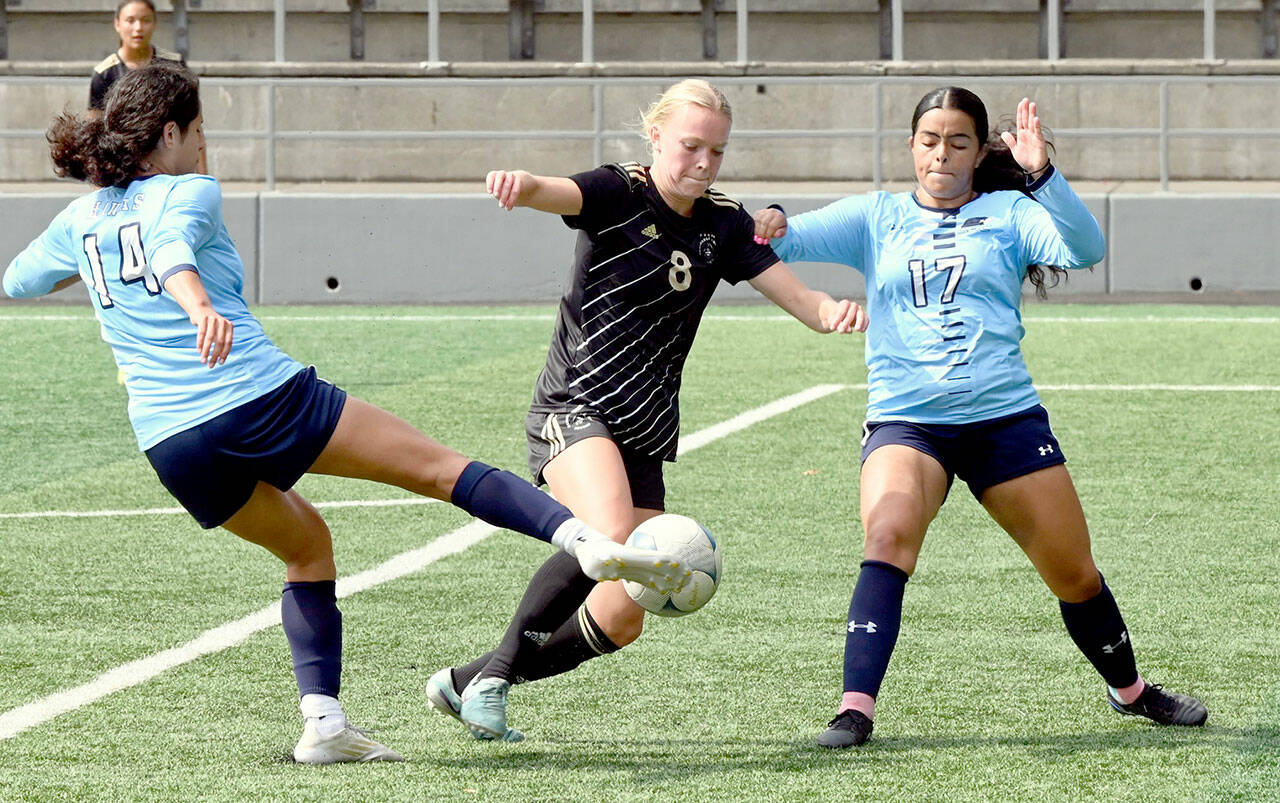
[(484, 710)]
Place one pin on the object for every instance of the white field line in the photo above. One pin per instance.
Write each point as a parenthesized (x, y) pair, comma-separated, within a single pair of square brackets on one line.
[(228, 635), (165, 511), (711, 316)]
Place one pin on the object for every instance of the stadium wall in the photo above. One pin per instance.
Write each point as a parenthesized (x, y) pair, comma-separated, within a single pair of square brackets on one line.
[(1112, 121), (319, 248)]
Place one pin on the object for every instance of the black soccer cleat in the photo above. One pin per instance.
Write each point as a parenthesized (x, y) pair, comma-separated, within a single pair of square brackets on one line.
[(1163, 707), (849, 729)]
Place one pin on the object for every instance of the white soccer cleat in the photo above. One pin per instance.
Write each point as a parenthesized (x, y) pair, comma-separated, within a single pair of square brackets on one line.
[(607, 560), (339, 742)]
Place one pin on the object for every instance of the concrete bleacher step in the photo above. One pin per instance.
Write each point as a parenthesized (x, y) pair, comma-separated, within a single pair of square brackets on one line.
[(654, 30)]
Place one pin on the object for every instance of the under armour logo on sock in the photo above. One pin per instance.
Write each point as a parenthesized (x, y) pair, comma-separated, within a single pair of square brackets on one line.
[(870, 627), (1111, 648)]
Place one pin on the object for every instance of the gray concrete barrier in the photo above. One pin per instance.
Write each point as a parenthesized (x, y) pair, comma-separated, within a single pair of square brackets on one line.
[(320, 248)]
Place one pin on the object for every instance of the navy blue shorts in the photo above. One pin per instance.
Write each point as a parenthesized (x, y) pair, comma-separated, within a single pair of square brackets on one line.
[(549, 434), (983, 454), (213, 468)]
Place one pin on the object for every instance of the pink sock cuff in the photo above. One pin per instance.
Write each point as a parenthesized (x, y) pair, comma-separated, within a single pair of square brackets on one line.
[(1130, 693)]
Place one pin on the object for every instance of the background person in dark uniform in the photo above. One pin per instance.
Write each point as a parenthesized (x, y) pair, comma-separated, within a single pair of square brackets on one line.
[(135, 23), (653, 244)]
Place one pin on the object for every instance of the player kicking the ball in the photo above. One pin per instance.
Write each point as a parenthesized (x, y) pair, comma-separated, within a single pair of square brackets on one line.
[(230, 430)]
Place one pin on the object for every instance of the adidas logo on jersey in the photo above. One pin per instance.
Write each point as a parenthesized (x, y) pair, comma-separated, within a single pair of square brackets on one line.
[(650, 231)]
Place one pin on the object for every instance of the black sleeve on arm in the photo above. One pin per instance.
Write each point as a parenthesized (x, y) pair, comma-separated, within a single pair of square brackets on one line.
[(745, 258), (604, 190)]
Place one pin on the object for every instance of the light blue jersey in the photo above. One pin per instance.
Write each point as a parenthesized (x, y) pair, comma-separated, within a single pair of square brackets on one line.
[(944, 289), (124, 243)]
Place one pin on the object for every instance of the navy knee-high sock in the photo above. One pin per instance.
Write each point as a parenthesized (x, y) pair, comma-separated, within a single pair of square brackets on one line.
[(504, 500), (1098, 630), (313, 625), (875, 615)]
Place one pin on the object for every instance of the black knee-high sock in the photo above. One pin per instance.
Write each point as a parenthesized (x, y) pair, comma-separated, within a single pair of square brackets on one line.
[(875, 615), (1098, 630), (462, 675), (576, 641), (504, 500), (313, 626), (556, 590)]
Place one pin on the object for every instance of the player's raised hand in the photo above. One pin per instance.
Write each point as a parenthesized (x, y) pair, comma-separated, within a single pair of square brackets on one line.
[(1026, 143), (507, 186), (843, 316), (770, 223)]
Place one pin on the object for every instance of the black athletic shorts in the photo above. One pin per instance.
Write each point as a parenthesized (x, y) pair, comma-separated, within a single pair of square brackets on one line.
[(983, 454), (213, 468), (549, 434)]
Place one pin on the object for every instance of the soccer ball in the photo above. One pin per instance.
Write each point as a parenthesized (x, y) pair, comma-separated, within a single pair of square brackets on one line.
[(697, 551)]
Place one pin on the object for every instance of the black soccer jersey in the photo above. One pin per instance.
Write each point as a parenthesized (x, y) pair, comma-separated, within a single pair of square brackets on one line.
[(642, 276), (112, 69)]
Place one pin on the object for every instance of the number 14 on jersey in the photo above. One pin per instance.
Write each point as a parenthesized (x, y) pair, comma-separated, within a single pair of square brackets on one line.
[(133, 263)]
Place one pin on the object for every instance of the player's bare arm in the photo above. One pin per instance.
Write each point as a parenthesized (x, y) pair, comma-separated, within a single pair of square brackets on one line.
[(214, 333), (554, 194), (814, 308)]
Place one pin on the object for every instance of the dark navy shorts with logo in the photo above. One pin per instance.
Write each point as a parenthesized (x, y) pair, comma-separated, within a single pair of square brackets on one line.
[(213, 468), (983, 454), (550, 433)]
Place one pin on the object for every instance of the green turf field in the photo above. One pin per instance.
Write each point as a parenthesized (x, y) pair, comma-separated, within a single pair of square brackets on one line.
[(1169, 417)]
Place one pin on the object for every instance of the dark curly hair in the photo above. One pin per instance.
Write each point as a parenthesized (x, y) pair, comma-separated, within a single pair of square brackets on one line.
[(108, 148), (998, 170)]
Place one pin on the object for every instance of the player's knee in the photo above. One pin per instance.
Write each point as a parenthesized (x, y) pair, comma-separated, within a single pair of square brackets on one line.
[(1076, 584), (312, 545), (893, 543)]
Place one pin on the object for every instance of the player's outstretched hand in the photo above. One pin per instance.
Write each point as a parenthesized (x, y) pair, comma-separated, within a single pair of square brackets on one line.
[(843, 316), (507, 186), (770, 223), (1026, 143), (214, 334)]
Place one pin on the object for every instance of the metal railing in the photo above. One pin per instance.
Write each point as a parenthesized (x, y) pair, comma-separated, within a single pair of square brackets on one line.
[(599, 133), (522, 15)]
